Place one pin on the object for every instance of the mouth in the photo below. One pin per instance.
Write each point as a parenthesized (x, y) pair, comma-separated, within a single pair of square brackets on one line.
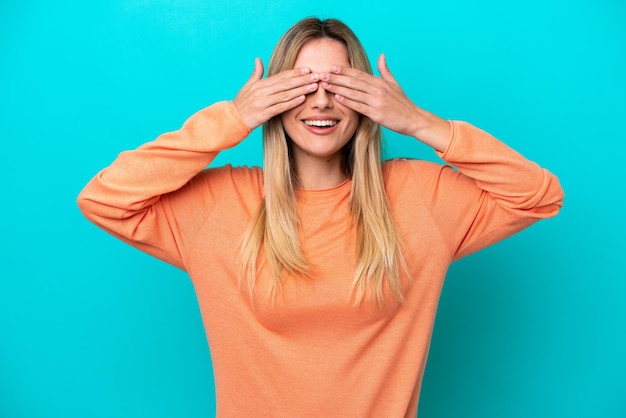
[(324, 124)]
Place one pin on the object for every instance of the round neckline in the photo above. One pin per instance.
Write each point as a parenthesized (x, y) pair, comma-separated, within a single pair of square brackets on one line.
[(326, 189), (323, 195)]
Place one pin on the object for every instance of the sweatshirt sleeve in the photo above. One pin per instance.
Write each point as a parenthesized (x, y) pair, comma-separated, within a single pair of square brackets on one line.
[(494, 193), (138, 197)]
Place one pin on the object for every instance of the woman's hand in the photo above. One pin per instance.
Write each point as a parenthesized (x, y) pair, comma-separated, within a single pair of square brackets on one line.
[(383, 101), (261, 99)]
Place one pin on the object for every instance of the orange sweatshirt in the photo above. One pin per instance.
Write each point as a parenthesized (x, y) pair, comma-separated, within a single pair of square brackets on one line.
[(310, 351)]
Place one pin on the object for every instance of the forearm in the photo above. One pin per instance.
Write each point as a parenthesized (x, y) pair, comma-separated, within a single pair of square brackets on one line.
[(432, 130), (508, 177), (136, 179)]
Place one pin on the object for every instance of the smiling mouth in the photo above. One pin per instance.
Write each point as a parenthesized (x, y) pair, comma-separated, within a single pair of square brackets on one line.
[(321, 123)]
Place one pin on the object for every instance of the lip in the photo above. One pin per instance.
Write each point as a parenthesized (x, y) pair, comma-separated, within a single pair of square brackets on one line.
[(321, 117), (319, 130)]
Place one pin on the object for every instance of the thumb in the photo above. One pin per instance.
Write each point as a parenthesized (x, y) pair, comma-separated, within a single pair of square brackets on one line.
[(257, 74), (384, 70)]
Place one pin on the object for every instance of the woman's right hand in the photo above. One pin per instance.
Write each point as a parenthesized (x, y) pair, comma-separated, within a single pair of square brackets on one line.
[(260, 99)]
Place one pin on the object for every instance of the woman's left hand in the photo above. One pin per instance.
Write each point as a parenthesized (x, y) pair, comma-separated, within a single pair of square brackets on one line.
[(383, 101)]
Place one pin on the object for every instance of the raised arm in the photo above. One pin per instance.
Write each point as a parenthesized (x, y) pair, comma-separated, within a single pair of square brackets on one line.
[(139, 196), (127, 199), (495, 192)]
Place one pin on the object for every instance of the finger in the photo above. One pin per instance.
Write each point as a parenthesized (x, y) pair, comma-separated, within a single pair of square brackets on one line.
[(347, 82), (292, 73), (257, 74), (351, 72), (348, 92), (290, 94), (285, 82), (258, 68), (351, 78), (286, 100), (284, 106), (385, 73), (357, 106)]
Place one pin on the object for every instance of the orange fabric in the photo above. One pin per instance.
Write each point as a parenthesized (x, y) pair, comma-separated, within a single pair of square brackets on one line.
[(310, 351)]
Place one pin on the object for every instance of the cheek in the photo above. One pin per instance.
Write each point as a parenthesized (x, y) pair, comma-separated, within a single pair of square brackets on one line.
[(353, 122), (288, 120), (350, 116), (285, 116)]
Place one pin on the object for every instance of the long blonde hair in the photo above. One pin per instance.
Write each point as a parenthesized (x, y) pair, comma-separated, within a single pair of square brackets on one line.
[(275, 226)]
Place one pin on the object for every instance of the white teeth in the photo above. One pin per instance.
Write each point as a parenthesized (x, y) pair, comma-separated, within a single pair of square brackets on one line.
[(320, 122)]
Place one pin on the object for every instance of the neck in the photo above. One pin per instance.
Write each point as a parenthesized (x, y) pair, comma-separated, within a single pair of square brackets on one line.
[(322, 174)]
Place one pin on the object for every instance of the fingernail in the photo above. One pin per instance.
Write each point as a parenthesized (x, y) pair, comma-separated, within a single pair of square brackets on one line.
[(326, 85), (315, 76), (339, 97), (304, 70), (336, 69), (325, 76), (312, 86)]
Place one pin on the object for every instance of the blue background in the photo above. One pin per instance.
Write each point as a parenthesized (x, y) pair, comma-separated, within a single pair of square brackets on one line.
[(89, 327)]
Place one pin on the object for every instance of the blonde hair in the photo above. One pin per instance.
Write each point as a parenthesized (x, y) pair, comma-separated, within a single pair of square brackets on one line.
[(274, 229)]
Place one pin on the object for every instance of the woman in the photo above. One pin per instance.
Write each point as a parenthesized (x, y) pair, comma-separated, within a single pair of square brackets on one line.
[(318, 278)]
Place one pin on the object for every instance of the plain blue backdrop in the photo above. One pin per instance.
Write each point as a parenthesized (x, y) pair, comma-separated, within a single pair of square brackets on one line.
[(89, 327)]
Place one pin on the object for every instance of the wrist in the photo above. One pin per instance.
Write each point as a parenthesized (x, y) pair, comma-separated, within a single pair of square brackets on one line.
[(433, 131)]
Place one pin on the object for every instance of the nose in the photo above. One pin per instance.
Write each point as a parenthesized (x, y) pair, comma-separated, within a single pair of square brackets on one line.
[(321, 99)]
